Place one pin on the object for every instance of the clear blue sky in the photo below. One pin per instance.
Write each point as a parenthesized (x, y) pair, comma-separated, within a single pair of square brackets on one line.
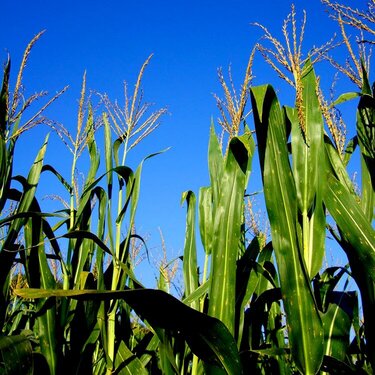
[(111, 40)]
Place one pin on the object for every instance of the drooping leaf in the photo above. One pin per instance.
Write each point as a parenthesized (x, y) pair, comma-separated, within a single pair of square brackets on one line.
[(207, 337), (345, 98)]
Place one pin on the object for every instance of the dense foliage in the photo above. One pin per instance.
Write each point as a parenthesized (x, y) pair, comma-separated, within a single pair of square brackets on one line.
[(70, 301)]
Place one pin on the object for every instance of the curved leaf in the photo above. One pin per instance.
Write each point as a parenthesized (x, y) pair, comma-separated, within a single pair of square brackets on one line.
[(16, 355), (207, 337), (345, 98)]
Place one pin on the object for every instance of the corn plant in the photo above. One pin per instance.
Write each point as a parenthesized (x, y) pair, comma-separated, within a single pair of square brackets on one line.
[(18, 207), (86, 323), (354, 214), (261, 305), (297, 172)]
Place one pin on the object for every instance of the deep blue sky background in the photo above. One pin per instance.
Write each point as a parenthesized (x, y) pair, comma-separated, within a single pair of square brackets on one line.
[(190, 40)]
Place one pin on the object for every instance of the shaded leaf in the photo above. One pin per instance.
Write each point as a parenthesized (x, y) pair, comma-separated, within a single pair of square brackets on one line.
[(207, 337), (16, 355)]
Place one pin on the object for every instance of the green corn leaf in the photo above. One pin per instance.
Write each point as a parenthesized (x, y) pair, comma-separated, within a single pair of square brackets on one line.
[(228, 219), (249, 141), (82, 234), (65, 183), (108, 153), (337, 321), (32, 183), (150, 348), (305, 330), (366, 141), (349, 150), (46, 319), (345, 98), (39, 274), (353, 224), (245, 265), (337, 167), (83, 328), (126, 363), (366, 87), (29, 215), (16, 355), (276, 336), (265, 271), (247, 280), (85, 248), (162, 282), (271, 352), (47, 333), (338, 311), (325, 284), (133, 191), (215, 164), (109, 167), (124, 173), (4, 99), (93, 337), (197, 294), (7, 153), (101, 234), (207, 337), (308, 170), (100, 366), (259, 311), (358, 241), (3, 167), (130, 184), (206, 218), (25, 201), (116, 146), (102, 315), (190, 267), (93, 151), (167, 358), (332, 365), (33, 245), (51, 236)]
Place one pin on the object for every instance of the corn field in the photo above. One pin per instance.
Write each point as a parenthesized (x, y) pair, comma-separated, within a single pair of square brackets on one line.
[(262, 303)]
